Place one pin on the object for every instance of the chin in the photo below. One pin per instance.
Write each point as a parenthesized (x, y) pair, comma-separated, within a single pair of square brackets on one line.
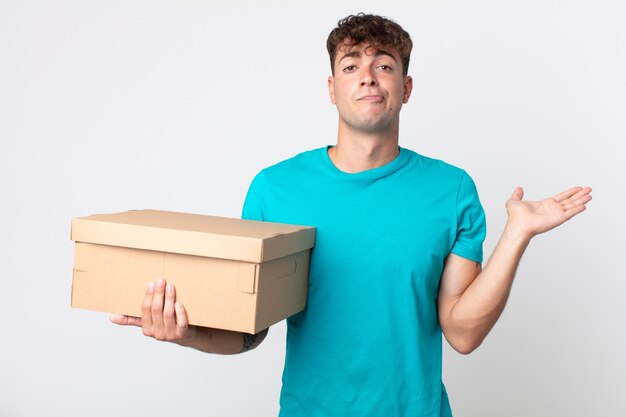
[(377, 126)]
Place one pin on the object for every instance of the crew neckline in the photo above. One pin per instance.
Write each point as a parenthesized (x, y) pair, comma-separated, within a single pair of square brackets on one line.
[(377, 172)]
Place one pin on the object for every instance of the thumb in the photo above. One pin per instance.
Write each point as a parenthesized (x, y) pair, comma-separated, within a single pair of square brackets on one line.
[(123, 320), (518, 194)]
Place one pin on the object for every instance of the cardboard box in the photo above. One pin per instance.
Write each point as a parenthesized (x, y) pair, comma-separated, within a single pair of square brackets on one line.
[(229, 273)]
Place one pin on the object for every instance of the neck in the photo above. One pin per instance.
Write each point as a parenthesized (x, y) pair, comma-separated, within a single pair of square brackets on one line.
[(359, 151)]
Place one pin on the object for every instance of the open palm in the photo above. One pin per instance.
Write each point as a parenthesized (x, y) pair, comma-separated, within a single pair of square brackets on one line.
[(535, 217)]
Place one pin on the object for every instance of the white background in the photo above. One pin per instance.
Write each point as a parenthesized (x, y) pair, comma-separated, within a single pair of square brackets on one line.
[(115, 105)]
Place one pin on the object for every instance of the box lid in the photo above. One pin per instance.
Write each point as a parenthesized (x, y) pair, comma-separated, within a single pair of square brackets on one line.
[(194, 234)]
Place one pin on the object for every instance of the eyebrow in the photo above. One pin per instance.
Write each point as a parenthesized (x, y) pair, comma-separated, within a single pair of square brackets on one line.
[(357, 54)]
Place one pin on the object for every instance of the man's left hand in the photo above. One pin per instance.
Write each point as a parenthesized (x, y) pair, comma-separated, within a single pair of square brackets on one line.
[(531, 218)]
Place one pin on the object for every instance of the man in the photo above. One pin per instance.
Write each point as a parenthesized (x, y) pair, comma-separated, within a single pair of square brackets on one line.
[(398, 253)]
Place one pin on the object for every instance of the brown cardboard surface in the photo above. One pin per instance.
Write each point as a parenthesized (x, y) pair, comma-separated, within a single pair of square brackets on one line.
[(229, 273), (193, 234)]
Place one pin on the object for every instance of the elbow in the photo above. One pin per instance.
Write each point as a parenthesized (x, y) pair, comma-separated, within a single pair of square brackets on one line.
[(227, 342), (464, 348), (465, 336), (463, 344), (251, 341)]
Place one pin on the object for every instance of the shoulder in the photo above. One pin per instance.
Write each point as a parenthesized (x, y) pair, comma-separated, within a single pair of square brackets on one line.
[(302, 165), (291, 168), (303, 159), (274, 185), (436, 168)]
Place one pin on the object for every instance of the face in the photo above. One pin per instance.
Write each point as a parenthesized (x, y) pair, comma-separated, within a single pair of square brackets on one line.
[(369, 88)]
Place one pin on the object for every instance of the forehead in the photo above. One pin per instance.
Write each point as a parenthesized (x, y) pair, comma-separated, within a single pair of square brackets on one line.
[(365, 48)]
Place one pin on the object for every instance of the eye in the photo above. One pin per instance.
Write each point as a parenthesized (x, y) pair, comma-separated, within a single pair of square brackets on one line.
[(385, 67), (349, 68)]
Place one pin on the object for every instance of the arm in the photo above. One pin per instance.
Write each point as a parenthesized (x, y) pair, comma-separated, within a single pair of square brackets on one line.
[(471, 300), (165, 319)]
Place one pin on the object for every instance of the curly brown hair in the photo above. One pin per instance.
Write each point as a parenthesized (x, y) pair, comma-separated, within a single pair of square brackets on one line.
[(368, 28)]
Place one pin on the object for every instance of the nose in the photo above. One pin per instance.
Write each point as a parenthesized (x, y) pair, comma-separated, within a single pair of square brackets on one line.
[(368, 79)]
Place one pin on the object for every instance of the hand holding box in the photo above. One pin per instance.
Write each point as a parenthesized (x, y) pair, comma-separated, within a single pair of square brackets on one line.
[(233, 274)]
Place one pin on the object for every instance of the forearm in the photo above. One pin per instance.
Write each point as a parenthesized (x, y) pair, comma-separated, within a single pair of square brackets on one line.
[(477, 309), (214, 341), (223, 342)]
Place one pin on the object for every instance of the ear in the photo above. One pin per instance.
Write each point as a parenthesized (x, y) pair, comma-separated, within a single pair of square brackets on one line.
[(331, 89), (408, 87)]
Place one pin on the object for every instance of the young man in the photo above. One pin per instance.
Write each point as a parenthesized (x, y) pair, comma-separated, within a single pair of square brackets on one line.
[(397, 261)]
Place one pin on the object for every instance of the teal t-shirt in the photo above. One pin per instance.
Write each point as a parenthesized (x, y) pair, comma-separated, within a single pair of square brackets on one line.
[(369, 341)]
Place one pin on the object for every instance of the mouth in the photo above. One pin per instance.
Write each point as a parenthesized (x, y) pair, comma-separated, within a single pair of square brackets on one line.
[(372, 98)]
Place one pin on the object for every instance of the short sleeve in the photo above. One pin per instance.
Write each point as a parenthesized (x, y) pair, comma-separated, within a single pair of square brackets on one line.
[(471, 227), (253, 205)]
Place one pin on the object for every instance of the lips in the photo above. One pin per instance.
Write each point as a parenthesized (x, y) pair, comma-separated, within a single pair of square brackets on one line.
[(372, 98)]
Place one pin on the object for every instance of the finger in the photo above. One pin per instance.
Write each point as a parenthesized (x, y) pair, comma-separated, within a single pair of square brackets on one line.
[(582, 195), (123, 320), (574, 211), (182, 323), (146, 308), (169, 316), (576, 200), (566, 194), (157, 304), (518, 194)]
